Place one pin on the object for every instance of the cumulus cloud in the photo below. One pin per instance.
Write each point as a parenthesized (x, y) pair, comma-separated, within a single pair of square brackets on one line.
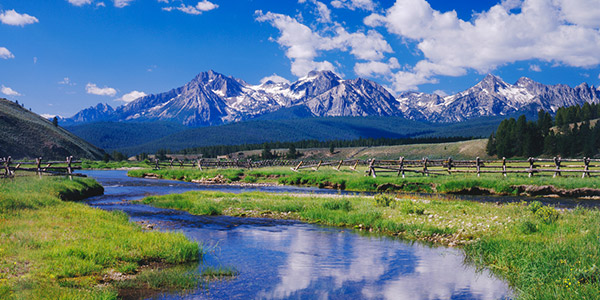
[(5, 53), (275, 78), (11, 17), (80, 2), (322, 10), (122, 3), (92, 88), (303, 45), (368, 5), (563, 31), (8, 91), (200, 7), (376, 68), (131, 96), (535, 68)]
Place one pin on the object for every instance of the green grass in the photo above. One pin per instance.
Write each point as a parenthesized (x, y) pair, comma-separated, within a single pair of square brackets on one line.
[(356, 181), (91, 164), (541, 257), (52, 249)]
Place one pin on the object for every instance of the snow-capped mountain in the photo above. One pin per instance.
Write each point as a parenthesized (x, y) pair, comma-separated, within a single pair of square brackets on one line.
[(493, 97), (212, 98)]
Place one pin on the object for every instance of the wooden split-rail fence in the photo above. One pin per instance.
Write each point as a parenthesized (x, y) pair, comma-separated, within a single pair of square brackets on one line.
[(532, 166), (8, 167)]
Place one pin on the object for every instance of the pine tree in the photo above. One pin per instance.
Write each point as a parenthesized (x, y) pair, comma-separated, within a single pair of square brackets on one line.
[(490, 148)]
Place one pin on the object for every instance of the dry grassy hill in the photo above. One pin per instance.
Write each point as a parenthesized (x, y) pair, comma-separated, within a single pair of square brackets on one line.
[(456, 150), (24, 134)]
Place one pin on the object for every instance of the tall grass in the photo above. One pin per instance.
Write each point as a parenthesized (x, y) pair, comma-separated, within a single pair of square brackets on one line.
[(542, 252), (53, 249)]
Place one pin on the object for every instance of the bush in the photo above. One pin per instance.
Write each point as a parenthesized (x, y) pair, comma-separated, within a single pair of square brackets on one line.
[(383, 200), (534, 206), (547, 214), (410, 207), (528, 227)]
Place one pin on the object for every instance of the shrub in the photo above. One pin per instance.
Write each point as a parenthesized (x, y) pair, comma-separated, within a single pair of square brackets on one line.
[(383, 200), (410, 207), (547, 214), (528, 227), (534, 206)]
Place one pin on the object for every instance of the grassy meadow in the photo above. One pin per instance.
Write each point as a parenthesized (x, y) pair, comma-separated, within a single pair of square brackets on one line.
[(542, 252), (54, 249), (327, 177)]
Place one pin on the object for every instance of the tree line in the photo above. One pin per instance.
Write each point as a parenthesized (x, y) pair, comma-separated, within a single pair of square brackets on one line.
[(570, 133)]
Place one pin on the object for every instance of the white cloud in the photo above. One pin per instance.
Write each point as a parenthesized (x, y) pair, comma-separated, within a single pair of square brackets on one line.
[(440, 93), (92, 88), (11, 17), (303, 45), (80, 2), (553, 31), (376, 68), (35, 59), (322, 10), (535, 68), (122, 3), (8, 91), (367, 5), (5, 53), (275, 78), (200, 7), (67, 81), (100, 4), (131, 96)]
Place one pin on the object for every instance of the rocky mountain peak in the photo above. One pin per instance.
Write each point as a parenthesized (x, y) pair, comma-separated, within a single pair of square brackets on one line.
[(491, 83)]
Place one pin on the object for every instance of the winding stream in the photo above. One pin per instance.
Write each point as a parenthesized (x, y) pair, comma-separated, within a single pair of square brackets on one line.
[(287, 259)]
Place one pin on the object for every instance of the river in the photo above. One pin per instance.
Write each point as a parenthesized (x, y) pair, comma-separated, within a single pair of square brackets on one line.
[(292, 260)]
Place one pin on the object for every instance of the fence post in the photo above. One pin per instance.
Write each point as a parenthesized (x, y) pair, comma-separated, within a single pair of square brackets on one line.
[(38, 169), (531, 166), (425, 170), (69, 169), (171, 163), (298, 166), (371, 171), (504, 166), (339, 165), (401, 167), (449, 165), (318, 165), (557, 161), (478, 165), (355, 165), (586, 162), (8, 173), (157, 166)]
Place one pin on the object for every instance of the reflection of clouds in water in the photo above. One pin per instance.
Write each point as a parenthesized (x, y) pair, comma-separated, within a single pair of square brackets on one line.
[(440, 274), (424, 273)]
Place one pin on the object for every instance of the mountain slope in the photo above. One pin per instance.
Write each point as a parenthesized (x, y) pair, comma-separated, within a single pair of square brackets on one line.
[(25, 134)]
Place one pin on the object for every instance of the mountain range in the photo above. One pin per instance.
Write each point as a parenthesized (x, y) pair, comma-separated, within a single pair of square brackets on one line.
[(212, 98)]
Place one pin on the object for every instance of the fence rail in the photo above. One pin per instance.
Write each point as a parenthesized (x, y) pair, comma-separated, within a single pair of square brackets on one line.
[(9, 167)]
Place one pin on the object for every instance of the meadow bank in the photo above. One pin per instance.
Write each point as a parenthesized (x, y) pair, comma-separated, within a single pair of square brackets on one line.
[(493, 184), (55, 249)]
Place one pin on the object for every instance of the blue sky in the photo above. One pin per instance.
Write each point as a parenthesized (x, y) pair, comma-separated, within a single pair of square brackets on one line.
[(60, 56)]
